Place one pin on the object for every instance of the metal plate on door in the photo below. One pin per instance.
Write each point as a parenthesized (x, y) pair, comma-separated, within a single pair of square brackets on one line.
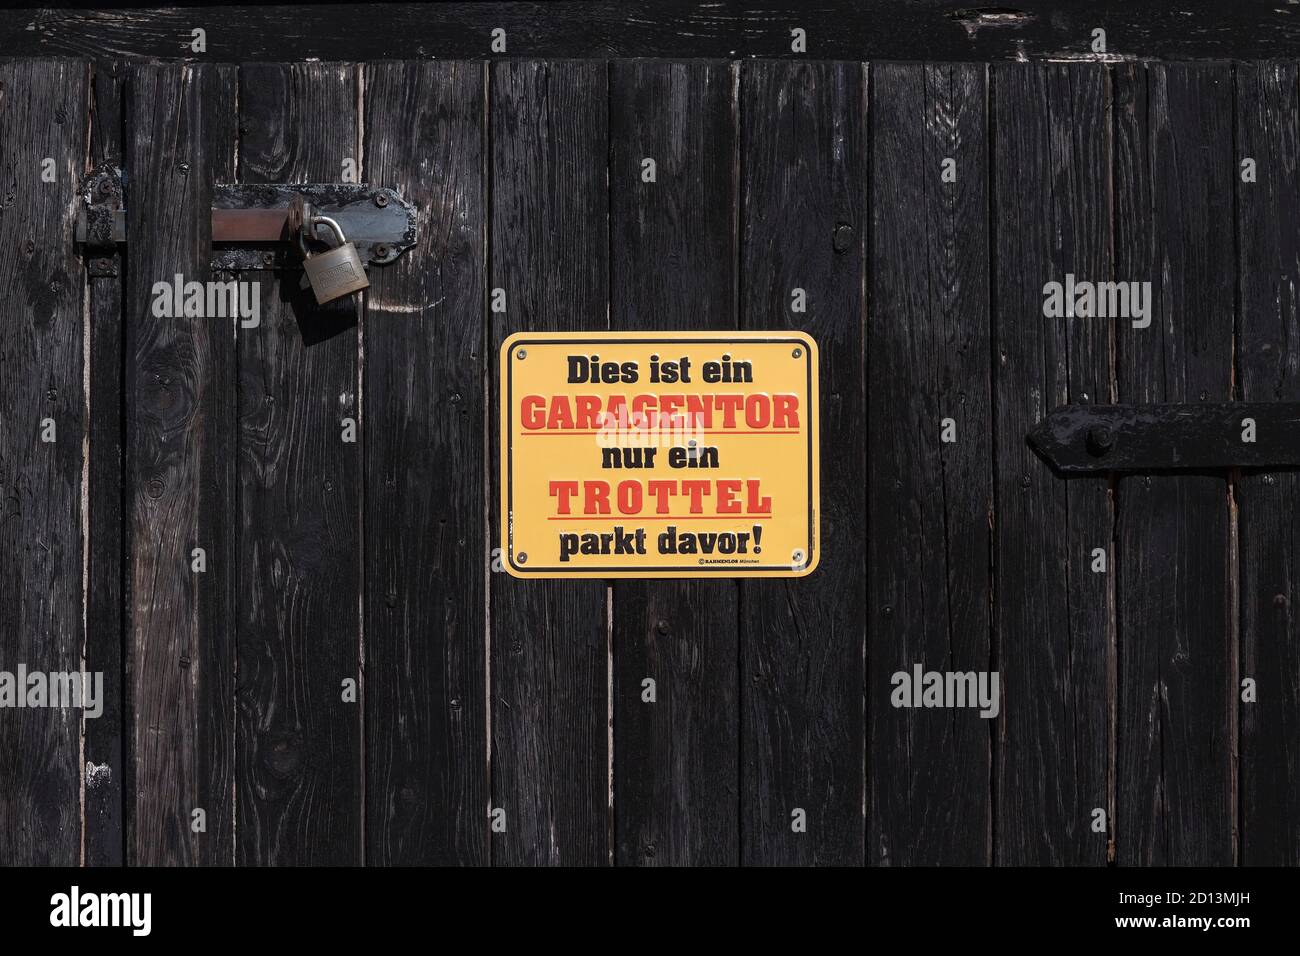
[(672, 454)]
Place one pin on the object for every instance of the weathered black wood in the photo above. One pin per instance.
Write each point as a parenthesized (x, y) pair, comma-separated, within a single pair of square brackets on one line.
[(423, 424), (866, 29), (1174, 227), (768, 717), (1079, 439), (928, 585), (43, 109), (180, 392), (548, 136), (298, 744), (804, 219), (1052, 614), (1268, 505), (673, 250), (104, 755)]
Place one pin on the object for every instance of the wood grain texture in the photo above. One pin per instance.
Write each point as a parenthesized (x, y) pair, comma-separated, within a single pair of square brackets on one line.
[(1268, 362), (1174, 217), (423, 426), (43, 109), (181, 474), (298, 744), (1052, 610), (104, 749), (673, 247), (844, 29), (223, 688), (549, 252), (803, 162), (929, 502)]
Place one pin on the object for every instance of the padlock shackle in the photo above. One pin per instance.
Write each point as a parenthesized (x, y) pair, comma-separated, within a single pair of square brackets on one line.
[(313, 222), (333, 224)]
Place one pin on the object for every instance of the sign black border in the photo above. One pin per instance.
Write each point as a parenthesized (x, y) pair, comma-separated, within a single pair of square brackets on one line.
[(782, 570)]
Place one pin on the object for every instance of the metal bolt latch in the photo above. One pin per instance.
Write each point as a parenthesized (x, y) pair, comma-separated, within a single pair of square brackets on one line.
[(250, 224)]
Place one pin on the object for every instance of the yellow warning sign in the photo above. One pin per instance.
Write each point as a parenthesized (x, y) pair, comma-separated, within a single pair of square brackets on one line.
[(659, 454)]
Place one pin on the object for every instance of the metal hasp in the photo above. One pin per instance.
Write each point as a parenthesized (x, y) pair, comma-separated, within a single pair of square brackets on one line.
[(1086, 439), (249, 222)]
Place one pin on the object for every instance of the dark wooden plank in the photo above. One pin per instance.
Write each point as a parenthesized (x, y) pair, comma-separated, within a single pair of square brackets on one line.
[(673, 250), (1268, 362), (549, 669), (43, 109), (845, 29), (929, 502), (180, 388), (1174, 227), (297, 742), (1052, 610), (803, 162), (104, 742), (426, 707)]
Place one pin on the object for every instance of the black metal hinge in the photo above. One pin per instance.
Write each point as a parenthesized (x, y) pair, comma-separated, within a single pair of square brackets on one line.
[(1082, 439)]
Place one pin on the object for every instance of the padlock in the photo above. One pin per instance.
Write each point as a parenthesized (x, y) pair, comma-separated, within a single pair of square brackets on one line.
[(335, 272)]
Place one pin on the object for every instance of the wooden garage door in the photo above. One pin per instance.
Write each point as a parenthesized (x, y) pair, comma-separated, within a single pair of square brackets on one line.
[(502, 721)]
